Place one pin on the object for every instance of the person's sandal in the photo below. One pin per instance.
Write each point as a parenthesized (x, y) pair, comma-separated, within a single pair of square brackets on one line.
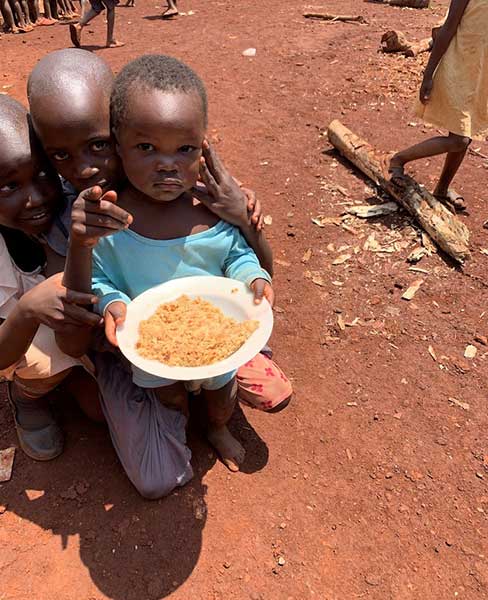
[(39, 444)]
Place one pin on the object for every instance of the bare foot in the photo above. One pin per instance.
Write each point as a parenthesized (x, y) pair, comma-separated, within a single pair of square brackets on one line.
[(75, 34), (115, 44), (230, 451), (169, 13), (26, 28)]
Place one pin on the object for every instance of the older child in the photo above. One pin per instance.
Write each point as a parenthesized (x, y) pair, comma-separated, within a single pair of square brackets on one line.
[(453, 94), (79, 143), (31, 307)]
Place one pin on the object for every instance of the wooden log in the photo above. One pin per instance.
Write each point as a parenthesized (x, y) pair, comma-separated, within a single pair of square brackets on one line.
[(314, 14), (409, 3), (396, 41), (445, 229)]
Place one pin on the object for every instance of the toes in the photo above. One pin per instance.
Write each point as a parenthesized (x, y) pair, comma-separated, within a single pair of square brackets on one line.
[(231, 465)]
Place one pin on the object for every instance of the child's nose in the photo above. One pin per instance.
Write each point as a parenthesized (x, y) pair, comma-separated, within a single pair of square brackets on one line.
[(35, 198), (166, 163)]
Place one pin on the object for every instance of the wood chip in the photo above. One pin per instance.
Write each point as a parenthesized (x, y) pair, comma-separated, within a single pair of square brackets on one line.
[(470, 351), (419, 270), (368, 211), (432, 353), (348, 454), (463, 405), (282, 263), (317, 279), (340, 322), (6, 463), (268, 220), (341, 259), (412, 289), (417, 254), (307, 256), (428, 244), (322, 221)]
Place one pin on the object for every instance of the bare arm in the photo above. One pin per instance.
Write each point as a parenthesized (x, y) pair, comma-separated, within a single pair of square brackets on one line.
[(16, 335), (445, 34), (94, 215)]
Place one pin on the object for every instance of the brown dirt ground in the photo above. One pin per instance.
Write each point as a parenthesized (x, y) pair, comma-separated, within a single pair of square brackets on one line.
[(373, 484)]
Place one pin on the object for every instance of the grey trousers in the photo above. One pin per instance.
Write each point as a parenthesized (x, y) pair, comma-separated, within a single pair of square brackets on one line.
[(150, 439)]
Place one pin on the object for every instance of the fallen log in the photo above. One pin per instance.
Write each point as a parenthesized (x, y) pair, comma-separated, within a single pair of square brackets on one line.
[(445, 229), (396, 41), (408, 3), (311, 14)]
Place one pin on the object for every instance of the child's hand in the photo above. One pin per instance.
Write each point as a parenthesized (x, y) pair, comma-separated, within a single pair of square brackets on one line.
[(114, 316), (223, 194), (262, 289), (426, 89), (52, 304), (95, 215)]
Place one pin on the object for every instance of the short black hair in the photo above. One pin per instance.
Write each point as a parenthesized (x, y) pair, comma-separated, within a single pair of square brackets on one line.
[(154, 71)]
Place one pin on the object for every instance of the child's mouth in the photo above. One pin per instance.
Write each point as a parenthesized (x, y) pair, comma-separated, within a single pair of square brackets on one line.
[(38, 216)]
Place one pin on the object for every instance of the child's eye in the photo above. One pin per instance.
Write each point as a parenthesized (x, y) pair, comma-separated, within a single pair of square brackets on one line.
[(60, 156), (145, 147), (8, 187), (99, 145), (187, 149)]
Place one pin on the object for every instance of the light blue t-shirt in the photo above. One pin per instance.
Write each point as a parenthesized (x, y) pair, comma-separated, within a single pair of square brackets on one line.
[(127, 264)]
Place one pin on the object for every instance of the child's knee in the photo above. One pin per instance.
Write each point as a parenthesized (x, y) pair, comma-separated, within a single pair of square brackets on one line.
[(462, 142)]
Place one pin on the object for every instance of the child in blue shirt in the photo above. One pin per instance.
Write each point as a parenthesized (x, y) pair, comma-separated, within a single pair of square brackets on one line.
[(159, 117)]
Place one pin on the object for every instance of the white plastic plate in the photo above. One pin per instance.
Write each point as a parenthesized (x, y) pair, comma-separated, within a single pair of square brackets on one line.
[(221, 292)]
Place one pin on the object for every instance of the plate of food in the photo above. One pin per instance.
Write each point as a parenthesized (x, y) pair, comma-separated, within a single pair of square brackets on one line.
[(194, 328)]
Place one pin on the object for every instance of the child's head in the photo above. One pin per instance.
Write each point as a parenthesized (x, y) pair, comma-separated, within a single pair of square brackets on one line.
[(29, 188), (159, 116), (69, 98)]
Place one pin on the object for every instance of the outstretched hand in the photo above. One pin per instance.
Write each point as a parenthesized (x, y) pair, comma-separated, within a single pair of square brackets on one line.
[(96, 215), (114, 316), (223, 194), (262, 289)]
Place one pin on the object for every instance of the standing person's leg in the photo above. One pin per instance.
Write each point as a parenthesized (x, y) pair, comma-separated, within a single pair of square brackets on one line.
[(220, 405), (8, 16), (25, 11), (451, 166), (33, 11), (19, 16), (171, 11), (75, 29), (47, 19), (111, 41)]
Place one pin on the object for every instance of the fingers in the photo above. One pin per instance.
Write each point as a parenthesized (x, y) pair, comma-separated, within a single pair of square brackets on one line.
[(72, 297), (110, 328), (251, 199), (97, 213), (114, 316), (207, 177), (214, 163), (258, 287), (269, 295), (81, 315)]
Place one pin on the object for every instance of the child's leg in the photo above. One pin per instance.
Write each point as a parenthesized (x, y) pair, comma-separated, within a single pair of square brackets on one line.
[(220, 406), (33, 11), (19, 16), (75, 29), (263, 385), (111, 41), (150, 439), (174, 396), (8, 17), (451, 167), (432, 147), (171, 11)]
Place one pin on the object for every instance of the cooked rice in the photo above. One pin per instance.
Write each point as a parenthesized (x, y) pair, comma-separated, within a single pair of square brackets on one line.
[(191, 333)]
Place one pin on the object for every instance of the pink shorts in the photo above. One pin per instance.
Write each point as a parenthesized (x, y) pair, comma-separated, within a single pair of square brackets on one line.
[(262, 384)]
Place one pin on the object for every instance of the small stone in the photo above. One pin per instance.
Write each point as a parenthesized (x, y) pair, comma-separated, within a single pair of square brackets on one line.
[(249, 52), (388, 475), (34, 494), (281, 561), (283, 525), (227, 564), (479, 475), (372, 579)]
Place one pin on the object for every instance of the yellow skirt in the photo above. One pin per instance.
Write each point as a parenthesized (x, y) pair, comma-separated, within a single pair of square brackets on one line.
[(459, 98)]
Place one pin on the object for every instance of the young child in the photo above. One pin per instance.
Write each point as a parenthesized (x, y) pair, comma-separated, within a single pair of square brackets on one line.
[(159, 116), (96, 7), (78, 141), (453, 94), (33, 308)]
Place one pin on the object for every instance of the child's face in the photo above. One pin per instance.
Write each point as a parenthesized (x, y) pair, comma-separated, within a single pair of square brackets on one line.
[(78, 142), (30, 191), (160, 142)]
